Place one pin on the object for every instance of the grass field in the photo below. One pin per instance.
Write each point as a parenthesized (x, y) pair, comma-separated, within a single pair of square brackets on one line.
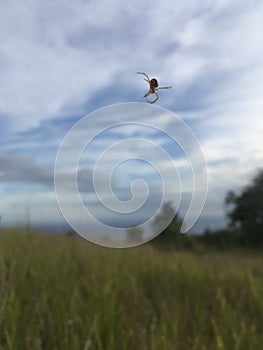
[(59, 292)]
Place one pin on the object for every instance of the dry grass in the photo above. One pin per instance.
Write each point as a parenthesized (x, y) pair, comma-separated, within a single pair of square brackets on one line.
[(63, 293)]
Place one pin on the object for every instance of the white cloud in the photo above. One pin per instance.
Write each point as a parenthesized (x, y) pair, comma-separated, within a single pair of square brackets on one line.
[(58, 57)]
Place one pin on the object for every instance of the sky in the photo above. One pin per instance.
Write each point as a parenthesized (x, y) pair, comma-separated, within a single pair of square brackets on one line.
[(61, 61)]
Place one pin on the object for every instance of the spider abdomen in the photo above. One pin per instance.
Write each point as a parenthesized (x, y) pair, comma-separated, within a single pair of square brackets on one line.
[(154, 83)]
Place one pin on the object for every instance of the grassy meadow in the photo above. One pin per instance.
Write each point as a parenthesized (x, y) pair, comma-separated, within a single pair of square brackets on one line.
[(60, 292)]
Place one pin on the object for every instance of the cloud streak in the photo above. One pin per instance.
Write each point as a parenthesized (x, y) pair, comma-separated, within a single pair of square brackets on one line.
[(61, 61)]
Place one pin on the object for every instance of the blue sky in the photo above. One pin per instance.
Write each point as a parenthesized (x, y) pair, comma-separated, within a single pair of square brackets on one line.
[(61, 60)]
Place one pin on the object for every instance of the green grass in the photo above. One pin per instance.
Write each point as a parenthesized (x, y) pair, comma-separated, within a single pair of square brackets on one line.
[(64, 293)]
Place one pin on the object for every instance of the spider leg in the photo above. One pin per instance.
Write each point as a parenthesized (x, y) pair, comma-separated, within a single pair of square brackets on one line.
[(157, 98), (163, 87), (148, 79), (147, 94)]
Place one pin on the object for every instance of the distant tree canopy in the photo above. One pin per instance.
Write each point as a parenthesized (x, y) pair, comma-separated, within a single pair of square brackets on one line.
[(163, 221), (245, 211), (169, 222), (134, 234)]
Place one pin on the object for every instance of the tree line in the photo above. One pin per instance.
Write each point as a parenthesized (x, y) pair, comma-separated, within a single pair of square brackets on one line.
[(245, 216)]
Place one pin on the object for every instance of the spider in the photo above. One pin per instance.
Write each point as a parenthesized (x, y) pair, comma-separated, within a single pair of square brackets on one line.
[(153, 87)]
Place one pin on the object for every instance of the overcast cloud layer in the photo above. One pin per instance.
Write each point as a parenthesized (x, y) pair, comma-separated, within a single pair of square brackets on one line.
[(61, 60)]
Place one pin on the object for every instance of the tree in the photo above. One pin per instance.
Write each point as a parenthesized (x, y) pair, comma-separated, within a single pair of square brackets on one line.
[(245, 211), (162, 221), (134, 234), (170, 237)]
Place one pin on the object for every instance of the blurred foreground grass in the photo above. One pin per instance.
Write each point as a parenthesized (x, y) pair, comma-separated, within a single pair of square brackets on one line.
[(59, 292)]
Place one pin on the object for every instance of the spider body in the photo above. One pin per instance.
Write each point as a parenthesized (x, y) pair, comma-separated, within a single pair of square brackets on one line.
[(154, 86), (154, 83)]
